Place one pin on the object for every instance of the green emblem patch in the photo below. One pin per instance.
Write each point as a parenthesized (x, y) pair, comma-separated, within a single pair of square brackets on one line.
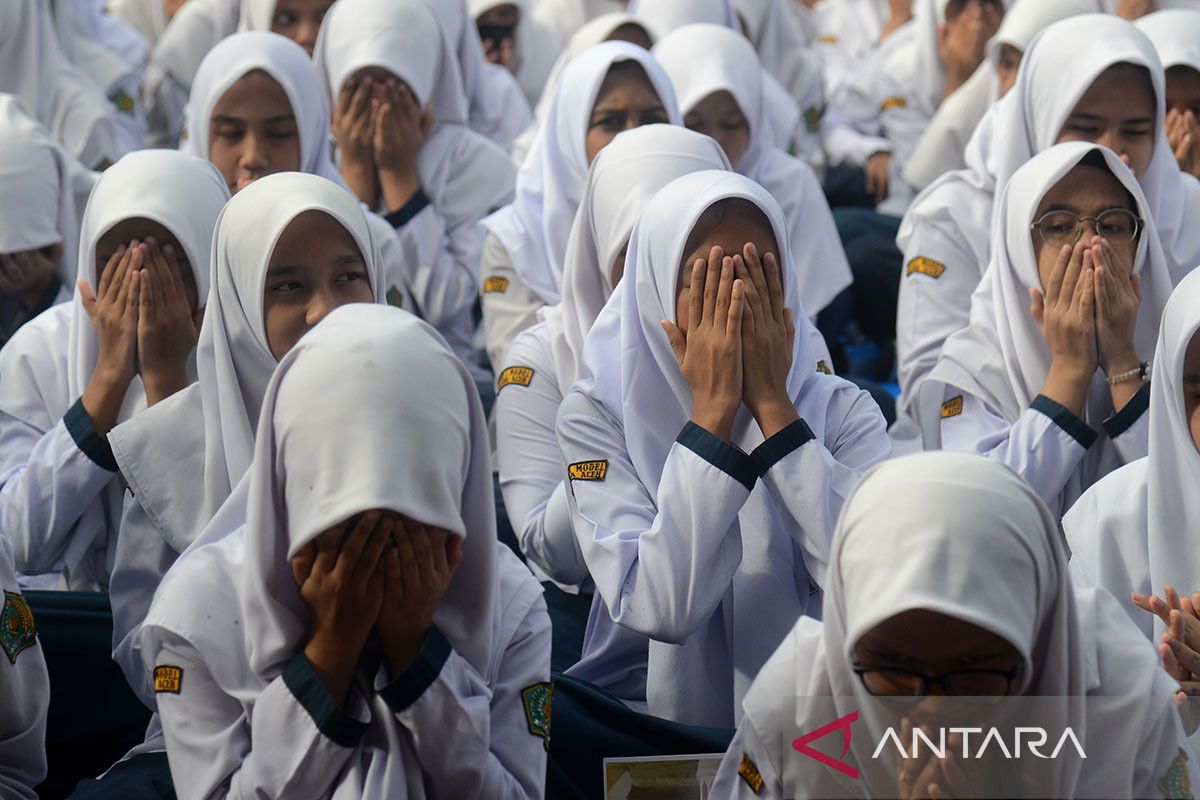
[(1177, 783), (124, 103), (18, 632), (394, 297), (537, 700)]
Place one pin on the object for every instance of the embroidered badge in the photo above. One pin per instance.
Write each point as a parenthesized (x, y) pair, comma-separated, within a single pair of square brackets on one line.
[(588, 470), (395, 297), (952, 407), (521, 376), (893, 102), (828, 38), (537, 699), (1177, 783), (748, 772), (123, 102), (104, 164), (18, 631), (823, 368), (925, 266), (812, 117), (495, 284), (168, 679)]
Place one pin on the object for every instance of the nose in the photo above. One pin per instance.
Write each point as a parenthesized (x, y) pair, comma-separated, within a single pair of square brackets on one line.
[(254, 153), (306, 36), (319, 307)]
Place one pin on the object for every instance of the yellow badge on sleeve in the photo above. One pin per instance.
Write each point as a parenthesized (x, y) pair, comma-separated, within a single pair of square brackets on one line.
[(1177, 783), (893, 102), (168, 679), (588, 470), (925, 266), (952, 407), (748, 772), (521, 376), (495, 283), (823, 368), (537, 700), (18, 631), (828, 38)]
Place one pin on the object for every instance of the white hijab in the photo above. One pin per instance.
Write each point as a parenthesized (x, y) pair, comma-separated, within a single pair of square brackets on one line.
[(782, 45), (535, 226), (935, 531), (433, 467), (620, 184), (1175, 35), (731, 65), (148, 17), (105, 48), (289, 66), (45, 189), (256, 15), (183, 457), (664, 16), (30, 58), (192, 32), (1001, 357)]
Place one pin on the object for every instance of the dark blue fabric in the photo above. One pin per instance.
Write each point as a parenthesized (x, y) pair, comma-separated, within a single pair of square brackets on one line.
[(306, 686), (1062, 416), (93, 445), (869, 239), (846, 185), (782, 444), (568, 623), (404, 215), (143, 777), (408, 688), (1123, 420), (721, 454)]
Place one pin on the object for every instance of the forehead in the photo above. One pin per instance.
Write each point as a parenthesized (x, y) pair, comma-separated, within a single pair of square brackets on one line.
[(1122, 91), (623, 79), (1088, 189), (255, 93), (135, 228), (313, 234), (729, 224)]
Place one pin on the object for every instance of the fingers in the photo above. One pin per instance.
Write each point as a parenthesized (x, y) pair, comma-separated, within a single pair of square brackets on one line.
[(790, 326), (1058, 275), (1037, 306), (302, 563), (696, 304), (329, 545), (131, 287), (356, 542), (753, 319), (676, 338), (737, 308), (110, 271), (774, 277), (410, 572), (712, 284), (1169, 664), (345, 96), (360, 102), (724, 290), (1185, 656), (379, 539), (88, 298)]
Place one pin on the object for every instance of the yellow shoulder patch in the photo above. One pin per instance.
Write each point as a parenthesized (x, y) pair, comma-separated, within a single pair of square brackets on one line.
[(495, 283), (893, 102), (1176, 784), (828, 38), (18, 630), (925, 266), (823, 368), (588, 470), (521, 376), (952, 407), (168, 679), (748, 772)]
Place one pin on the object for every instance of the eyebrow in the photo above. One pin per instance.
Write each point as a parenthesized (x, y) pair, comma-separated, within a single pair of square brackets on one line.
[(346, 259), (281, 271), (225, 119), (1191, 378)]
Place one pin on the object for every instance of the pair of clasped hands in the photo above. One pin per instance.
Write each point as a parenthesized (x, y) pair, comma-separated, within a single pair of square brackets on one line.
[(737, 344), (379, 573), (1179, 648)]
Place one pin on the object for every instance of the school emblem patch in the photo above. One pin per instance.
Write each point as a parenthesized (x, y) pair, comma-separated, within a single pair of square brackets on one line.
[(748, 772), (537, 700), (925, 266), (812, 117), (395, 297), (521, 376), (495, 284), (18, 631), (1177, 783), (893, 102), (124, 103), (168, 679), (588, 470), (828, 38), (952, 407), (823, 368)]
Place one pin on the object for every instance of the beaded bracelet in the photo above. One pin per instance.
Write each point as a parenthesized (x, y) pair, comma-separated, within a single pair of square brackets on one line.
[(1139, 372)]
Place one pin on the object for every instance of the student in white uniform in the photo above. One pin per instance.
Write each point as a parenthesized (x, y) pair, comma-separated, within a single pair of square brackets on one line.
[(707, 457), (404, 148), (948, 568), (723, 96), (363, 634), (298, 20), (613, 87), (1130, 532), (545, 360), (148, 17), (498, 109), (609, 27), (1176, 36), (848, 31), (664, 16), (288, 250), (524, 37), (43, 191), (1049, 375), (122, 344), (1110, 94), (24, 690), (60, 95)]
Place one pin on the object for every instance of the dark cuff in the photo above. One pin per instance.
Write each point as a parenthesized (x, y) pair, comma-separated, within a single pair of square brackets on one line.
[(1123, 420), (782, 444), (722, 455), (404, 215), (93, 445), (1061, 416), (405, 690), (338, 726)]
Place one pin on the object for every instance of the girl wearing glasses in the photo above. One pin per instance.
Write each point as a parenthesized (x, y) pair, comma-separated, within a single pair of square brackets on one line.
[(914, 616), (1049, 375)]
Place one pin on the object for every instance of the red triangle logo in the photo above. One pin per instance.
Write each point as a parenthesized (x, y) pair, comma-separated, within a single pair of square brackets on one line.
[(843, 724)]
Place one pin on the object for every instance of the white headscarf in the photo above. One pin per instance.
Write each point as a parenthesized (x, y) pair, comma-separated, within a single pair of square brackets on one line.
[(30, 57), (48, 364), (45, 189), (731, 65), (664, 16), (782, 45), (256, 15), (620, 184), (535, 226), (1001, 357), (1175, 35), (192, 32), (433, 466), (106, 49), (289, 66), (1026, 18), (181, 480), (148, 17)]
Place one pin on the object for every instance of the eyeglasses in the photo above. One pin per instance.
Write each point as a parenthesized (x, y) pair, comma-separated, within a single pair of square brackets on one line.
[(987, 685), (1059, 228)]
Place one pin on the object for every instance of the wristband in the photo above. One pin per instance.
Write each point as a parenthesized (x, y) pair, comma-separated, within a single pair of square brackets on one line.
[(1140, 372)]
